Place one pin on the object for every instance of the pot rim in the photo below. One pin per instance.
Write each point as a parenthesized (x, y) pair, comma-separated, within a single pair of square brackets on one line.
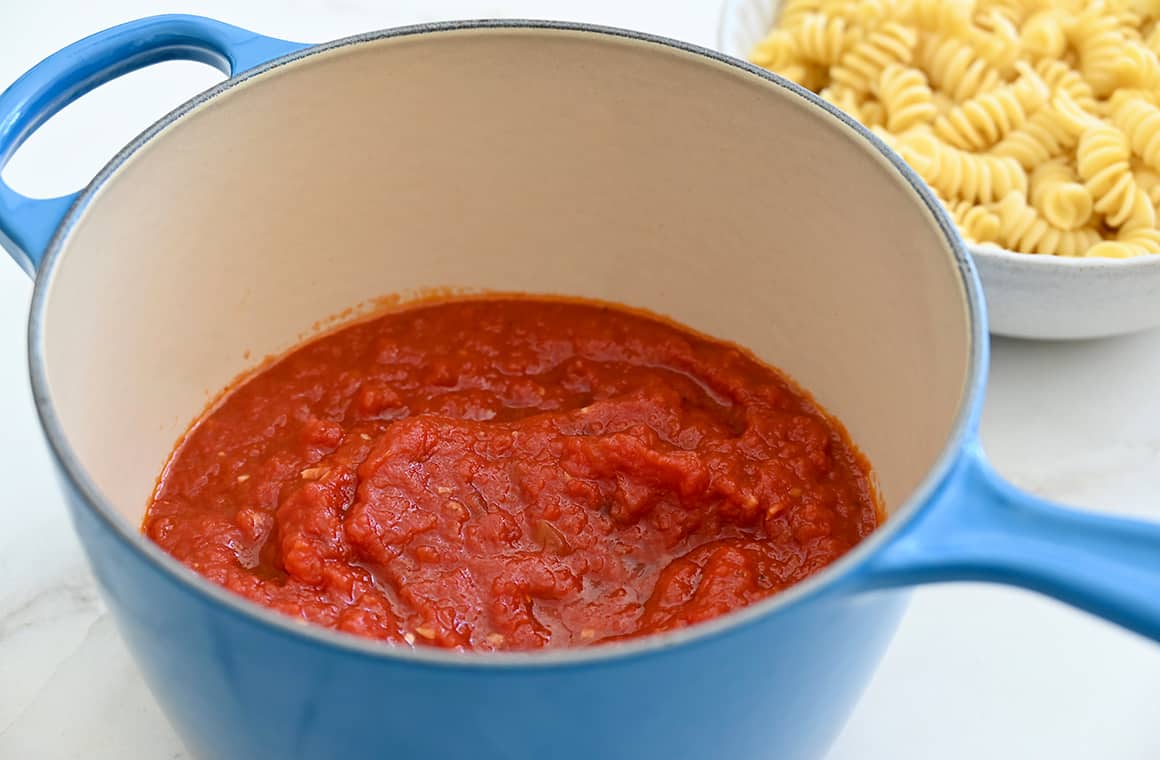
[(966, 418)]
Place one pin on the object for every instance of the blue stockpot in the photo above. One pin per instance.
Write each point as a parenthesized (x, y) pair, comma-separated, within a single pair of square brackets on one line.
[(774, 680)]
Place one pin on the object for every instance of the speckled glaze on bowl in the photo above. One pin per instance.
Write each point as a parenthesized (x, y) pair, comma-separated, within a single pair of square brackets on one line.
[(1028, 296)]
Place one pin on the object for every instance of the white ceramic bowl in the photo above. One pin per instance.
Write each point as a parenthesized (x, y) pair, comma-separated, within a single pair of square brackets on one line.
[(1028, 296)]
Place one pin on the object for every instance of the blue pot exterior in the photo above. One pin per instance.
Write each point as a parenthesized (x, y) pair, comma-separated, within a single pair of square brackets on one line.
[(776, 681), (26, 224), (236, 689)]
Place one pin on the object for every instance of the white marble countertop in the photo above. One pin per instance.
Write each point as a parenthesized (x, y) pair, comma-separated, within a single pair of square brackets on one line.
[(975, 671)]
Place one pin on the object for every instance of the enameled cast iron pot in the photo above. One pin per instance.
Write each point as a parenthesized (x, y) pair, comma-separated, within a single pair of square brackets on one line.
[(534, 157)]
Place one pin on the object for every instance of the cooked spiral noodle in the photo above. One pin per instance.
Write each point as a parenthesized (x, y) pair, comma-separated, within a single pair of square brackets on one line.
[(1149, 182), (995, 39), (845, 99), (1044, 34), (1057, 75), (793, 10), (1147, 238), (947, 16), (1140, 121), (1129, 22), (977, 224), (1044, 136), (1138, 68), (873, 13), (1058, 195), (863, 63), (1127, 245), (1022, 229), (986, 118), (1017, 11), (776, 51), (1143, 213), (1147, 95), (1114, 249), (808, 75), (1101, 44), (822, 39), (1147, 10), (1102, 158), (873, 114), (955, 173), (905, 96), (814, 77), (1073, 117), (1036, 122), (942, 102), (953, 67), (1152, 41)]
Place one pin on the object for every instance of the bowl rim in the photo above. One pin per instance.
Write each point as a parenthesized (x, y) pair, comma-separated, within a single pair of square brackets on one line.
[(729, 11), (297, 632), (1051, 261)]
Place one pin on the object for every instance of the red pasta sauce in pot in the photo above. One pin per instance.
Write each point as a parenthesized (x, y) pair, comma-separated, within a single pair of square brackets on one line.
[(512, 474)]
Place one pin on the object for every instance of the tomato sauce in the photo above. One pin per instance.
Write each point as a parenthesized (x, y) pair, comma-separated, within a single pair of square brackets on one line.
[(512, 474)]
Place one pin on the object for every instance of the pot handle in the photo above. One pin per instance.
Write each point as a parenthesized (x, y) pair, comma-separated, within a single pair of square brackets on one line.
[(981, 528), (27, 224)]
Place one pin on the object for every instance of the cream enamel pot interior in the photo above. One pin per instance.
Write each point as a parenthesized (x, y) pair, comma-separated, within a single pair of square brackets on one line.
[(1028, 296), (541, 158)]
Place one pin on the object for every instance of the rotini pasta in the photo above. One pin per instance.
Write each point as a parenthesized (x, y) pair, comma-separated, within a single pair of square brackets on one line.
[(1057, 75), (808, 75), (863, 64), (995, 39), (1101, 43), (1036, 122), (1127, 245), (1147, 10), (793, 10), (1149, 182), (1102, 158), (873, 114), (952, 66), (977, 223), (869, 14), (1152, 41), (845, 99), (1021, 229), (1045, 136), (981, 121), (1147, 242), (941, 15), (906, 97), (822, 39), (1147, 238), (1140, 69), (942, 102), (1058, 195), (1140, 121), (955, 173), (1044, 35), (777, 51)]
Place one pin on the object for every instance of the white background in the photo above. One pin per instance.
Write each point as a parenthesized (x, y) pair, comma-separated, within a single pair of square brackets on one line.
[(974, 672)]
